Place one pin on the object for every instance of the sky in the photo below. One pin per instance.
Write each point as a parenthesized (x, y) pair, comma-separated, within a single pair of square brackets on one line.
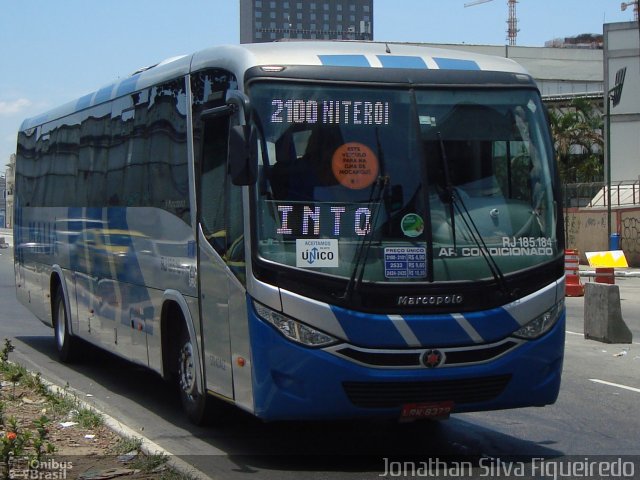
[(53, 51)]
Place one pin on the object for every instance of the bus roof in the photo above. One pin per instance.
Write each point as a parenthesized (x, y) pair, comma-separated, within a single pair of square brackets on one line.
[(239, 58)]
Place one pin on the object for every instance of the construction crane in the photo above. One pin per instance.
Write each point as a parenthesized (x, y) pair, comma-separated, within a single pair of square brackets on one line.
[(624, 5), (512, 22)]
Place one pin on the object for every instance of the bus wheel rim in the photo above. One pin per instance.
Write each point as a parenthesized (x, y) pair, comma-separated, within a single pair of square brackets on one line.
[(187, 373)]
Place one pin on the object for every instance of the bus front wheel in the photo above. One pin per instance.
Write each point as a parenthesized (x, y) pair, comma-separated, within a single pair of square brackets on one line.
[(65, 343), (195, 402)]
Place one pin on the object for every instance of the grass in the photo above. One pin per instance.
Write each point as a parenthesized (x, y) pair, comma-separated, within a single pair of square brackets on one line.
[(24, 437)]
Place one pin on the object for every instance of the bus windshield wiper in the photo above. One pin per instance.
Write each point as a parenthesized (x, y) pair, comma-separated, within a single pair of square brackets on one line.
[(457, 204), (476, 236), (448, 188), (362, 252)]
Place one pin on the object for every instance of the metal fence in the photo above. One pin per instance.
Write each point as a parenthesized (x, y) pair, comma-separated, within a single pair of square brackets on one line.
[(623, 193)]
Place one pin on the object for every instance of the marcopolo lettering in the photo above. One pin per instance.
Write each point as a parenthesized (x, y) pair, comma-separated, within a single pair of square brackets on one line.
[(430, 300)]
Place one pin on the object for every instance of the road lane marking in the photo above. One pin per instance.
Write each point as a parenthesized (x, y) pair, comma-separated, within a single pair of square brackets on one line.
[(626, 387)]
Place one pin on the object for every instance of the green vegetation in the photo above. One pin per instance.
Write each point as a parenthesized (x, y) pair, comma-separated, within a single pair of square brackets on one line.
[(578, 140), (26, 437)]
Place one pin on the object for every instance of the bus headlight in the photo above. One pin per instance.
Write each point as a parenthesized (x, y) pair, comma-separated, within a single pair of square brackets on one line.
[(293, 329), (542, 324)]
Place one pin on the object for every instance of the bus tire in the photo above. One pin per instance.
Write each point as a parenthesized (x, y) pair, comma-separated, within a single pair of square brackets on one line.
[(195, 403), (66, 344)]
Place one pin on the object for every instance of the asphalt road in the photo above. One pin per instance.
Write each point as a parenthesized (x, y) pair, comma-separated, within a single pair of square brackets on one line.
[(597, 412)]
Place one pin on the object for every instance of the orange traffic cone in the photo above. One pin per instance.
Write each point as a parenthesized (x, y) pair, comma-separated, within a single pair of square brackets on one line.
[(574, 287)]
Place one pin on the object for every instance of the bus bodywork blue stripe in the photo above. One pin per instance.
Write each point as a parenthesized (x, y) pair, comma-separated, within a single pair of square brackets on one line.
[(344, 60), (455, 64), (401, 61), (103, 94), (127, 86), (364, 329), (381, 331), (398, 61), (84, 102)]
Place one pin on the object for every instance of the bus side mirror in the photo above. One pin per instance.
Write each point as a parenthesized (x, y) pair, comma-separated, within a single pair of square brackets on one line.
[(243, 154)]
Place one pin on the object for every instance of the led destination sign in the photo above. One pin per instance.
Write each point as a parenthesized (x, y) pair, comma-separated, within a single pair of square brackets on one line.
[(314, 220), (330, 112)]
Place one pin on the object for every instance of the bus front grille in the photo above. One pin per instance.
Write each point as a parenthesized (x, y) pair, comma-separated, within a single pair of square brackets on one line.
[(453, 356), (395, 394)]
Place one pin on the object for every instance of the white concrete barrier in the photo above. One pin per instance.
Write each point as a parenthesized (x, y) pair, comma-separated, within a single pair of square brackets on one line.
[(603, 315)]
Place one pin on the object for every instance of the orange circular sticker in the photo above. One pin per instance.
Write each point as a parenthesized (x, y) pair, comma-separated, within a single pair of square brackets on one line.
[(354, 165)]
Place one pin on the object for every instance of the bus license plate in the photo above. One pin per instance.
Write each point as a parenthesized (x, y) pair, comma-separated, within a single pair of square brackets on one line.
[(427, 410)]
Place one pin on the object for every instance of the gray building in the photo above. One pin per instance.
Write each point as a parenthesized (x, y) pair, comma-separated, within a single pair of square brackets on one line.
[(270, 20), (622, 51)]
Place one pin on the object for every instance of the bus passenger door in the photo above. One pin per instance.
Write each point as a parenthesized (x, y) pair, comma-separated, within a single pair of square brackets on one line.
[(214, 275)]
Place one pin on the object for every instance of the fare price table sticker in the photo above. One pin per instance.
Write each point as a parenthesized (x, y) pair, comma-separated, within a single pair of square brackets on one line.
[(405, 262)]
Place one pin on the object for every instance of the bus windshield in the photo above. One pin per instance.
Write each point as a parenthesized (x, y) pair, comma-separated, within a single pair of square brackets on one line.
[(411, 185)]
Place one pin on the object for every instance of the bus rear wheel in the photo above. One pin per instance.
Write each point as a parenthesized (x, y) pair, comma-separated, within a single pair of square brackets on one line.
[(195, 402), (65, 343)]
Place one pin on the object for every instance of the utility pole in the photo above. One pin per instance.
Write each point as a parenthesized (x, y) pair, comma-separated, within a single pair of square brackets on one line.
[(613, 97)]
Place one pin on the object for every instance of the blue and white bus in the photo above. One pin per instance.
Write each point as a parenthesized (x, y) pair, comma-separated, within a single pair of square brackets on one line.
[(307, 230)]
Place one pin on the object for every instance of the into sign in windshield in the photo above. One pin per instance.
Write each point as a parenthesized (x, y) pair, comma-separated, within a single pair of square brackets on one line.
[(409, 185)]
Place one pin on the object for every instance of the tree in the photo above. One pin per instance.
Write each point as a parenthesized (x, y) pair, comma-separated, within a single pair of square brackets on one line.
[(578, 139)]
